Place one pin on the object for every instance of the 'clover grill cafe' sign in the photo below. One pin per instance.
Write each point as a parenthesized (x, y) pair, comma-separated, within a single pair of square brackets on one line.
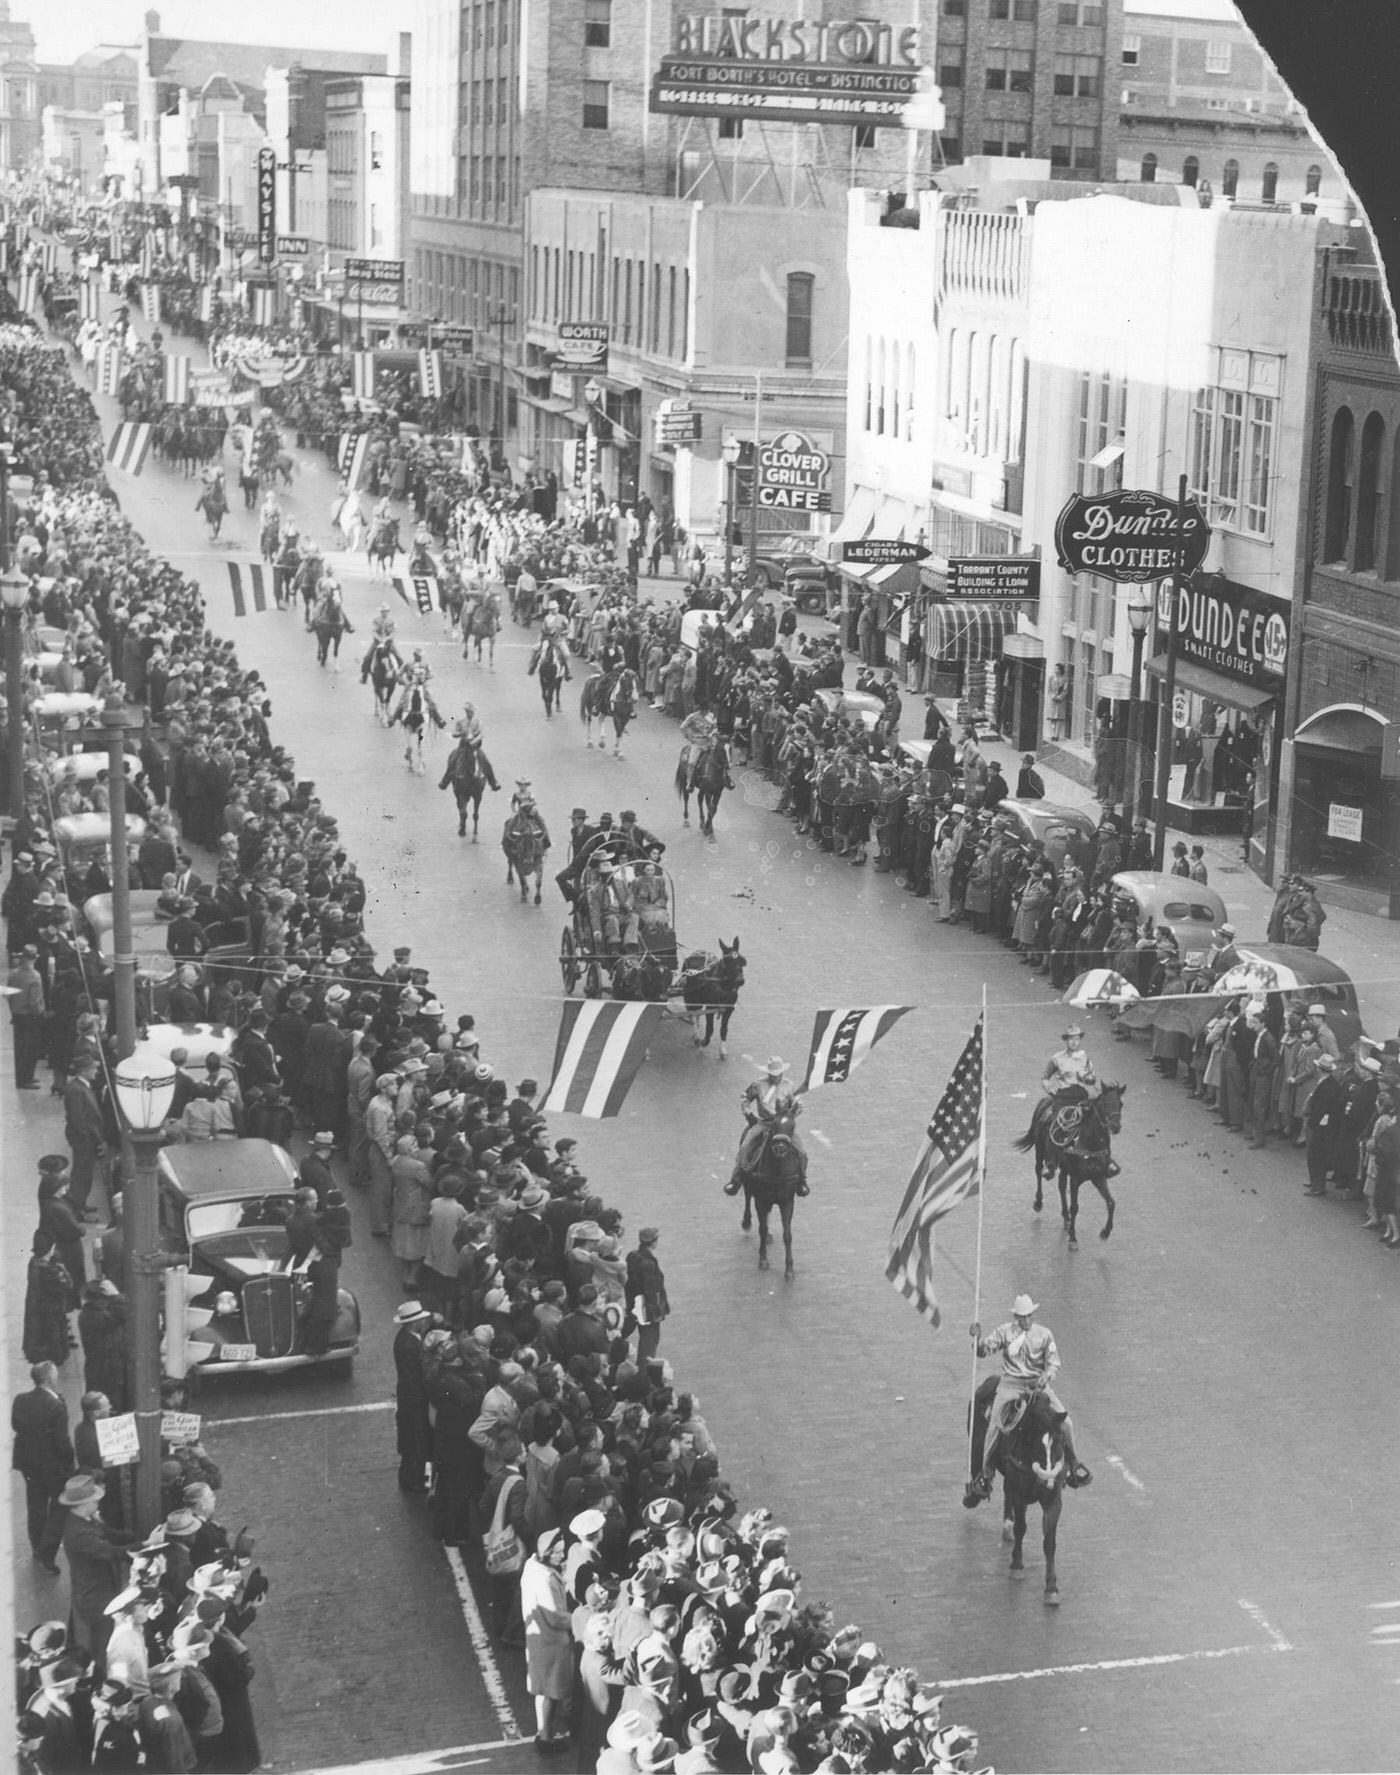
[(794, 475), (1130, 536)]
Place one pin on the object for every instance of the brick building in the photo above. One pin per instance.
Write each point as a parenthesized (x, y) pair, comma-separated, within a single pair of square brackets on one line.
[(1341, 769)]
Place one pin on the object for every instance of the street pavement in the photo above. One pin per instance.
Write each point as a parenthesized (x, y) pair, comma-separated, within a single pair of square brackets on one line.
[(1228, 1583)]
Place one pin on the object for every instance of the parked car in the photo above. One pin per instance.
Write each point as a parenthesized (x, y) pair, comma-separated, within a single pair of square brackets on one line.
[(853, 705), (223, 1209), (148, 933), (1062, 830), (1264, 970), (1189, 911), (793, 567)]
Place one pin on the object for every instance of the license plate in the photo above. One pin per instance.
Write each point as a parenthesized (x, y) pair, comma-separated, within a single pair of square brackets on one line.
[(238, 1352)]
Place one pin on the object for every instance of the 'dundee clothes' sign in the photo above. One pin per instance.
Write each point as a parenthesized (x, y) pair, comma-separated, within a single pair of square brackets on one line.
[(793, 474), (1131, 535), (267, 205), (1230, 628), (791, 70)]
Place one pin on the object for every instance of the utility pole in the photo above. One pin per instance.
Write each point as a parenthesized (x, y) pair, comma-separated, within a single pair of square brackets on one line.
[(1164, 713), (757, 474)]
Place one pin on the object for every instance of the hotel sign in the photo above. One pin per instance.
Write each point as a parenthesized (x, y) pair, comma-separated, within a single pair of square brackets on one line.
[(789, 70), (267, 205), (1129, 536)]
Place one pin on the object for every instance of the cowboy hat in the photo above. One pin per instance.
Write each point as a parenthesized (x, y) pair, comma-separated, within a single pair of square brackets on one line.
[(1023, 1306), (775, 1065), (1072, 1029)]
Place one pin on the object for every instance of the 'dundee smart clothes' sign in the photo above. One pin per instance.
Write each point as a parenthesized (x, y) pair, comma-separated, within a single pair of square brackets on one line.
[(794, 475), (267, 205), (1231, 628), (1130, 535)]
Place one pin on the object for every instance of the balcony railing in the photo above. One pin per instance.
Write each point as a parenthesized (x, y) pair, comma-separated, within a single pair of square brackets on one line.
[(1354, 310), (983, 255)]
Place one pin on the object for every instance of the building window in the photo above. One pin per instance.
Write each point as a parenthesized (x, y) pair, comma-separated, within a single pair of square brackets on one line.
[(864, 135), (1233, 427), (955, 8), (952, 149), (597, 23), (1078, 76), (1217, 57), (1313, 183), (1008, 138), (595, 104), (1368, 495), (376, 151), (1148, 172), (731, 129), (1190, 170), (1074, 148), (1008, 70), (1339, 478), (909, 362), (1132, 49), (1024, 10), (1103, 420), (800, 285), (1230, 183), (1080, 12), (950, 64), (1269, 190)]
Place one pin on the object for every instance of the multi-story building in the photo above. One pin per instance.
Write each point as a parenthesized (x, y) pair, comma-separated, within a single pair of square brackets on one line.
[(367, 150), (72, 103), (1202, 104), (1339, 803), (19, 93)]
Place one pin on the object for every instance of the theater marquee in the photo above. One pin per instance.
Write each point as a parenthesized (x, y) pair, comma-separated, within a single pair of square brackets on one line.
[(789, 70)]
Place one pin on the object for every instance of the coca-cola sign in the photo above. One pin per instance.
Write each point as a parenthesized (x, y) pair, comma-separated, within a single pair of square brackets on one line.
[(1130, 535)]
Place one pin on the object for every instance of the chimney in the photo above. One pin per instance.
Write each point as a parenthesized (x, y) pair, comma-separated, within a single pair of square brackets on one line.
[(153, 24)]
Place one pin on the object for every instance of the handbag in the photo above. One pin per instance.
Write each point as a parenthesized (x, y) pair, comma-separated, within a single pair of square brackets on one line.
[(501, 1544)]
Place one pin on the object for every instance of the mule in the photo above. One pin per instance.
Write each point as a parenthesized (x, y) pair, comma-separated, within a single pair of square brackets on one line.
[(1031, 1459), (641, 978), (525, 854), (710, 986), (704, 773)]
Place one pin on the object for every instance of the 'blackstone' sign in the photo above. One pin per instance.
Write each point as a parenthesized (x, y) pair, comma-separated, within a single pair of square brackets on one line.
[(1130, 536), (1234, 629)]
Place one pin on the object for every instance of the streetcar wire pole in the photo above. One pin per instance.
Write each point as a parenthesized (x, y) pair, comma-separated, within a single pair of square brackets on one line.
[(981, 1199)]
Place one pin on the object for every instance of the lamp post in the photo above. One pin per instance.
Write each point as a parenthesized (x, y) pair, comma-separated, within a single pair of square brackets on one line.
[(1164, 713), (144, 1084), (731, 451), (116, 719), (14, 591), (1141, 611), (498, 321)]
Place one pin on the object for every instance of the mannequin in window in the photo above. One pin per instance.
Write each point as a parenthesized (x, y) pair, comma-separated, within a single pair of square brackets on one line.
[(1057, 701), (1192, 755)]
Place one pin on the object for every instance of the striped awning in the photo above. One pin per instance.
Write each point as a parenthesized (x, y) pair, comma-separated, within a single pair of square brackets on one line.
[(969, 631)]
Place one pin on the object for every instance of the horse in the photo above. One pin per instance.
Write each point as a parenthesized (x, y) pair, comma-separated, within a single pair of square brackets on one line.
[(484, 625), (643, 978), (710, 987), (614, 693), (467, 781), (1072, 1137), (525, 853), (383, 667), (1031, 1457), (774, 1178), (213, 502), (704, 773), (330, 623), (594, 702), (384, 545), (285, 465), (452, 597), (551, 681), (270, 537)]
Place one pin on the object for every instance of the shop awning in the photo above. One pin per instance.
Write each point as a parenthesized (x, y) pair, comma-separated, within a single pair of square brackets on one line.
[(1228, 692), (1343, 729), (967, 630), (855, 521)]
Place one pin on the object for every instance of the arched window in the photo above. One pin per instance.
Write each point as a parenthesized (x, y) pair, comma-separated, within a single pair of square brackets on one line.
[(1016, 403), (1270, 190), (1312, 184), (1368, 494), (1148, 174), (909, 394), (1339, 479), (1392, 528), (1190, 170), (977, 394), (1230, 183), (1000, 396)]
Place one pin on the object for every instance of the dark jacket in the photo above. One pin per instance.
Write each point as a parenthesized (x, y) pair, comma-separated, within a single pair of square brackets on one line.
[(644, 1278), (43, 1449)]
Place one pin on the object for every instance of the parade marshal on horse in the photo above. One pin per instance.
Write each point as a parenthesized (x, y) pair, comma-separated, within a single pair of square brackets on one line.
[(1029, 1363), (770, 1106)]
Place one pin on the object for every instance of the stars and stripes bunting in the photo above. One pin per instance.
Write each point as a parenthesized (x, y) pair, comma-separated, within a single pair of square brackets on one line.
[(150, 302), (109, 368), (347, 444), (601, 1046), (362, 375), (148, 256), (90, 300), (430, 375), (48, 257), (259, 584), (28, 290), (206, 303), (359, 456), (192, 266), (129, 448), (742, 605), (177, 380), (264, 305), (4, 258), (420, 593), (948, 1170), (841, 1039)]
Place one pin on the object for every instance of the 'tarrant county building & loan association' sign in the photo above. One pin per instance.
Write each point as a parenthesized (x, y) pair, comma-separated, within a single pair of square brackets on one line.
[(789, 70)]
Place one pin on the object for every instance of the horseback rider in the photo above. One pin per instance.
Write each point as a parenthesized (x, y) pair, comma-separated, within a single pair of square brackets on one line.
[(553, 628), (767, 1103), (466, 730), (700, 729), (1070, 1067), (1029, 1363)]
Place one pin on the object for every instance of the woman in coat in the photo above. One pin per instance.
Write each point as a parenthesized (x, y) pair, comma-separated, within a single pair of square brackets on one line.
[(549, 1653), (413, 1201), (59, 1229)]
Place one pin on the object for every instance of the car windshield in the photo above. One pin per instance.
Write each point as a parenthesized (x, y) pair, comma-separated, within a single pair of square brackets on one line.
[(206, 1220)]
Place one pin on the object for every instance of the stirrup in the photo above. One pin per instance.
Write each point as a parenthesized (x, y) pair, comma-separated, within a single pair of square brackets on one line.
[(976, 1492), (1078, 1476)]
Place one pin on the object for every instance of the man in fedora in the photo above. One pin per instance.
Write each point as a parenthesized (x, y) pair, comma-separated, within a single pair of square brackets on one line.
[(1029, 1363), (43, 1453), (96, 1562), (412, 1424)]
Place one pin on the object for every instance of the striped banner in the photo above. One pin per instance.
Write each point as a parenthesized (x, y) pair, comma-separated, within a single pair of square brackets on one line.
[(177, 381), (129, 447), (430, 375), (48, 258), (401, 587), (192, 266), (28, 291), (362, 374), (114, 241), (359, 456), (206, 303), (109, 368), (259, 584), (147, 255), (264, 306), (601, 1046), (347, 444), (150, 302), (421, 591), (842, 1039), (4, 258), (90, 300)]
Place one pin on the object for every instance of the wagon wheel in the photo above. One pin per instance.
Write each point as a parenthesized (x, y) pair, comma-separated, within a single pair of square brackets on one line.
[(593, 980), (568, 960)]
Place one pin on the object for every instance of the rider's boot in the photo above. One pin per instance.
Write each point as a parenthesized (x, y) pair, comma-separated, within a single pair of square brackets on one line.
[(734, 1185), (977, 1491), (1078, 1474)]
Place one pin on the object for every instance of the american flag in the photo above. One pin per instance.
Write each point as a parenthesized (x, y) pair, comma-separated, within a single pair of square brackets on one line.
[(948, 1170), (150, 302), (362, 372), (90, 297), (206, 303), (430, 375), (601, 1046), (109, 368), (842, 1039)]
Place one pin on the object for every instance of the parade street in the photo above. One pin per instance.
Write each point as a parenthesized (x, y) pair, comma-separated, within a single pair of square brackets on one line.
[(1224, 1577)]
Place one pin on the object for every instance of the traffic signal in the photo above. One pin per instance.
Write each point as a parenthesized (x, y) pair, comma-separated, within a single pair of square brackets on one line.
[(179, 1351)]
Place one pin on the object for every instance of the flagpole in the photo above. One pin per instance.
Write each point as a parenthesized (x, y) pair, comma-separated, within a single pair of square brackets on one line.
[(981, 1199)]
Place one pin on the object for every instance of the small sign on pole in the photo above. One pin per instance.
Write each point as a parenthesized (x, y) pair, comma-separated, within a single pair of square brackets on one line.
[(179, 1427), (117, 1441)]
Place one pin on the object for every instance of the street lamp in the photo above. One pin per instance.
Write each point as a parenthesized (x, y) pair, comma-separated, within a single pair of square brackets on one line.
[(731, 451), (116, 720), (499, 317), (144, 1084), (14, 593), (1141, 610)]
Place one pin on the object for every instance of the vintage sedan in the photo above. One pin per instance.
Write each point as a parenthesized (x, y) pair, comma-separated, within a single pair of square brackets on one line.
[(1191, 913), (223, 1211), (851, 705), (1063, 830)]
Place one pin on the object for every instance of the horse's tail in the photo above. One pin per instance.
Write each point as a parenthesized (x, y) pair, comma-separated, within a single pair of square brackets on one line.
[(682, 778), (1027, 1140)]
